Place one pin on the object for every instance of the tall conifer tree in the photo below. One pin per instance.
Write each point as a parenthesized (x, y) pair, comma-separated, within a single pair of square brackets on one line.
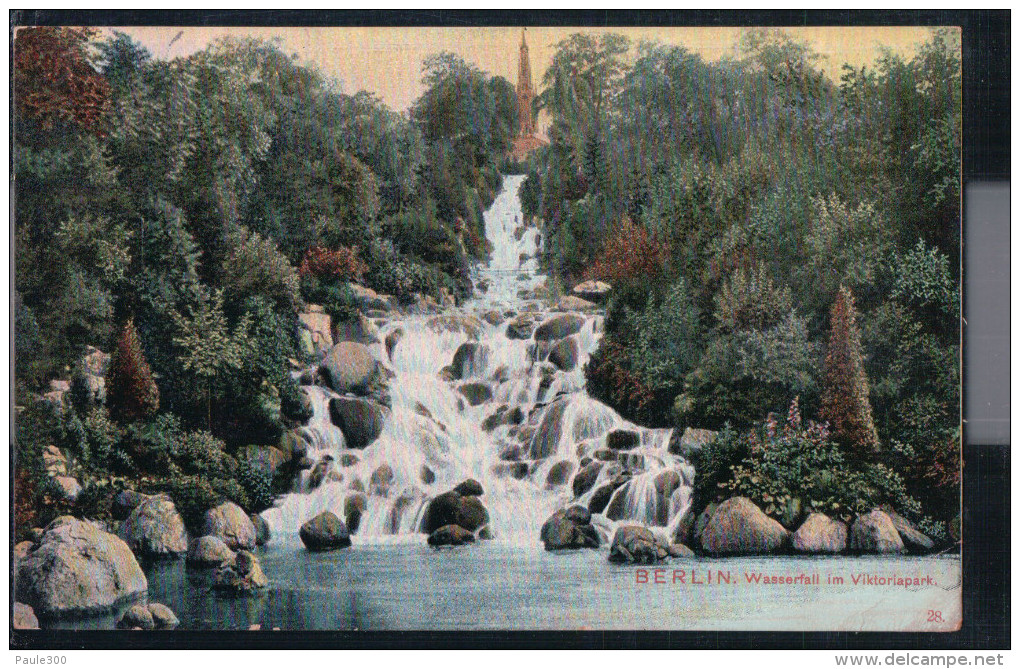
[(131, 391), (845, 403)]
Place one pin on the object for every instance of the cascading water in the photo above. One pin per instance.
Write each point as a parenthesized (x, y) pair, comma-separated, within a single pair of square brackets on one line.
[(434, 438)]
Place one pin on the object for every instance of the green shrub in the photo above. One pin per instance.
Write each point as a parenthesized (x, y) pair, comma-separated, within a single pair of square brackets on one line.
[(192, 495), (394, 273), (744, 373), (649, 347), (335, 297), (199, 453), (292, 401), (95, 501), (36, 426), (102, 436), (257, 485), (255, 267), (713, 464), (232, 490), (924, 282), (794, 464)]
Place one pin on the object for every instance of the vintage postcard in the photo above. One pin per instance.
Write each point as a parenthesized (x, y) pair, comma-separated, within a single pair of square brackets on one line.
[(487, 328)]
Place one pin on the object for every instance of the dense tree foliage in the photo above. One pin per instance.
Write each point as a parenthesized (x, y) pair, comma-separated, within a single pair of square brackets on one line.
[(204, 201), (746, 194)]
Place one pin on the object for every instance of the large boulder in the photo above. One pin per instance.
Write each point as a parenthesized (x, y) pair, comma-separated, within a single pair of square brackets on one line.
[(593, 291), (354, 509), (875, 533), (380, 481), (623, 440), (244, 575), (266, 459), (469, 487), (666, 483), (585, 479), (357, 327), (559, 327), (68, 488), (470, 360), (23, 617), (564, 354), (293, 444), (162, 617), (690, 441), (350, 368), (469, 325), (492, 317), (392, 339), (452, 508), (475, 393), (547, 437), (136, 617), (155, 529), (262, 532), (320, 328), (738, 527), (78, 568), (230, 523), (604, 493), (54, 461), (574, 303), (360, 420), (820, 534), (125, 502), (366, 298), (633, 543), (325, 532), (569, 529), (209, 552), (450, 535), (559, 473), (913, 540), (521, 326)]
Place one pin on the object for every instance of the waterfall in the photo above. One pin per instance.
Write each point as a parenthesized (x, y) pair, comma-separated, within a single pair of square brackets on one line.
[(433, 439)]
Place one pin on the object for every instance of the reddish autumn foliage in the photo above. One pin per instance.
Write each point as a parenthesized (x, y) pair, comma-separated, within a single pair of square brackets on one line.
[(945, 467), (24, 499), (632, 252), (131, 392), (845, 403), (54, 81), (342, 263), (610, 378)]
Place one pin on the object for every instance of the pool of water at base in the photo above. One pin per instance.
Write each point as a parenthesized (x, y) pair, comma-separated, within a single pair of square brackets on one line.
[(411, 586)]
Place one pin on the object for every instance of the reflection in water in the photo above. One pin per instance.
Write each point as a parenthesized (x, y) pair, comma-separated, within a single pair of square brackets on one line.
[(498, 586)]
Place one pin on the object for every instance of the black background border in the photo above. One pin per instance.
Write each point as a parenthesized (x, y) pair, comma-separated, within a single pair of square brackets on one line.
[(986, 486)]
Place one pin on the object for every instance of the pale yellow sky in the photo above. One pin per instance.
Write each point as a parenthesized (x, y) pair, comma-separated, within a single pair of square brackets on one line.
[(387, 60)]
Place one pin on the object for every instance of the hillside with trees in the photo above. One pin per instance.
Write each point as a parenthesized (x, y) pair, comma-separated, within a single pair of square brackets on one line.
[(776, 236), (180, 214)]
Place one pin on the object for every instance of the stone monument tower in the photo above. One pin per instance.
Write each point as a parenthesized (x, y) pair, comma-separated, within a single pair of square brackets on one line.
[(525, 93), (527, 140)]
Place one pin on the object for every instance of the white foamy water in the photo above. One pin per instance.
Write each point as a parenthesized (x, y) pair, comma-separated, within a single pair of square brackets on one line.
[(433, 439)]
